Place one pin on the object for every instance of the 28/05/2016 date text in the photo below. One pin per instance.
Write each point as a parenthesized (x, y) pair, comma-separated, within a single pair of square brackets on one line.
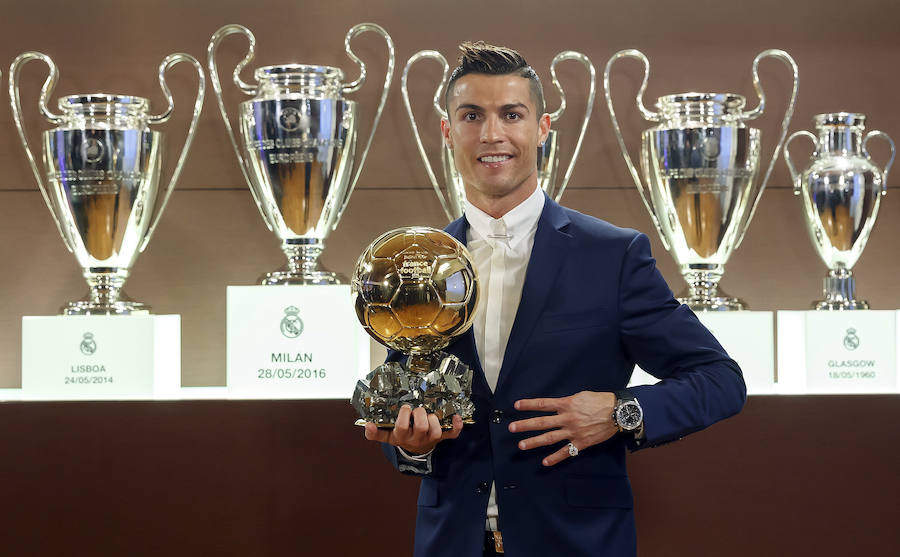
[(291, 373)]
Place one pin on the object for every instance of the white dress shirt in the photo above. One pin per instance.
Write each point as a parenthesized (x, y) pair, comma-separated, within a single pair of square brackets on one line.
[(501, 249)]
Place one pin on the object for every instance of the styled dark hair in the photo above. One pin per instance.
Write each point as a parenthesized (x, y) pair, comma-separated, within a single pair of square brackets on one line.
[(483, 58)]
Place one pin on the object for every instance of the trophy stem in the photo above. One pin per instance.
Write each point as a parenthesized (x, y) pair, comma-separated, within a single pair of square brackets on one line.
[(105, 296), (303, 267), (704, 293), (840, 292)]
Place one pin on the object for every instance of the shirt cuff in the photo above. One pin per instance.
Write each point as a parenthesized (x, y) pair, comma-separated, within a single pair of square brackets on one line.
[(416, 458), (417, 465)]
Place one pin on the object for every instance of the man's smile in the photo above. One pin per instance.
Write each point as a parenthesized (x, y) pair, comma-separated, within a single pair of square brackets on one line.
[(494, 160)]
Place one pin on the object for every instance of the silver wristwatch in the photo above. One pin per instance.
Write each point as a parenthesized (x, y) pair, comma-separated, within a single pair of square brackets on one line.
[(628, 414)]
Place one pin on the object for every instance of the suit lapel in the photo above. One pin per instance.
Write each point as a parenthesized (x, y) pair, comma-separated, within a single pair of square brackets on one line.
[(551, 246)]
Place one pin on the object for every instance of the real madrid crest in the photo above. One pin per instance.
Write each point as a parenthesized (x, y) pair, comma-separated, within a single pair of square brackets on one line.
[(851, 341), (92, 149), (88, 345), (291, 324)]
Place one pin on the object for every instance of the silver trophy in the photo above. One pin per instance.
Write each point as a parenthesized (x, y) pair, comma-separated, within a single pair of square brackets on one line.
[(700, 164), (453, 195), (101, 178), (296, 150), (841, 190)]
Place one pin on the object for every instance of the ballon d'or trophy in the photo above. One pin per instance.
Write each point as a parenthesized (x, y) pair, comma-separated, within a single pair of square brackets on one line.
[(700, 183), (103, 166), (453, 195), (415, 290), (841, 190), (297, 148)]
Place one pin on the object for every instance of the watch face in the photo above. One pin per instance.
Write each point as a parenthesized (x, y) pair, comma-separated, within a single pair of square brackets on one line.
[(629, 415)]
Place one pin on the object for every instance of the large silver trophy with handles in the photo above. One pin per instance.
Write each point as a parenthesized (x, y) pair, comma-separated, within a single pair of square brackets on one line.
[(452, 196), (841, 189), (101, 178), (297, 148), (701, 184)]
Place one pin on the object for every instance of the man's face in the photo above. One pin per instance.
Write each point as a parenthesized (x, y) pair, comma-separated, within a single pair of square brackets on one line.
[(494, 131)]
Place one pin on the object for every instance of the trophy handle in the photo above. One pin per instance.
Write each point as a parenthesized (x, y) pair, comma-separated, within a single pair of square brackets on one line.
[(887, 167), (16, 105), (170, 61), (795, 176), (356, 85), (433, 55), (592, 90), (756, 113), (213, 69), (647, 114)]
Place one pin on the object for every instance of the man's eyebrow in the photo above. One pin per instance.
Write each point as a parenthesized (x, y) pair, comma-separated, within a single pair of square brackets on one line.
[(514, 106), (469, 107), (505, 107)]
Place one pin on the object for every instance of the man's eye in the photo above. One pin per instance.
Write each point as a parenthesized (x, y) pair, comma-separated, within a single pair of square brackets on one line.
[(470, 116), (513, 116)]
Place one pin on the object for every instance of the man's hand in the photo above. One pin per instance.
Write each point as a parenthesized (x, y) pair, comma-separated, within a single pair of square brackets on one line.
[(415, 431), (583, 419)]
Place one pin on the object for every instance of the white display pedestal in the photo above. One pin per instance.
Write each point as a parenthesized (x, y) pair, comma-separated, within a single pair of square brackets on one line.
[(748, 337), (297, 342), (101, 357), (837, 352)]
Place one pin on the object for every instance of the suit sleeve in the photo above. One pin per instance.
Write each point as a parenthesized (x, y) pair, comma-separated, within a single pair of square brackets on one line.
[(700, 384)]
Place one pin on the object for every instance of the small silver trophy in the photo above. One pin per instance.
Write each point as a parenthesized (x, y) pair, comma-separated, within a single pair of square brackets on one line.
[(841, 190), (102, 170), (296, 148), (453, 195), (700, 164)]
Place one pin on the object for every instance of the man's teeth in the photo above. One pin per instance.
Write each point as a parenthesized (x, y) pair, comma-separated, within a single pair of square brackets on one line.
[(495, 158)]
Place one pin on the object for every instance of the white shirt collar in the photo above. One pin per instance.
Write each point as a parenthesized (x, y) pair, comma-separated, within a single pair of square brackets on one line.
[(520, 221)]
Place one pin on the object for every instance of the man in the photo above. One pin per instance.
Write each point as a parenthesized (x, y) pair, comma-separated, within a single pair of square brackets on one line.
[(570, 304)]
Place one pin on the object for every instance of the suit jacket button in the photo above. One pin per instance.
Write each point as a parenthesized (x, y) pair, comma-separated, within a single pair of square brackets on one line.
[(482, 488), (497, 416)]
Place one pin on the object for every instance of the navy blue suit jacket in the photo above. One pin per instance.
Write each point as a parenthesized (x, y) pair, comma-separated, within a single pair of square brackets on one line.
[(593, 305)]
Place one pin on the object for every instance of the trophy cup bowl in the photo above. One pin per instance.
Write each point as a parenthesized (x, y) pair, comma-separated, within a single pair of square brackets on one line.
[(103, 167), (700, 167), (297, 149), (841, 190), (700, 183), (415, 290), (452, 196)]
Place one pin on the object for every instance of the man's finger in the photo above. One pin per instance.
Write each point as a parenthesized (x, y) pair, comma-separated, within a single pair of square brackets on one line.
[(540, 423), (402, 430), (556, 457), (539, 404), (375, 434), (420, 423), (434, 428), (549, 438), (457, 428)]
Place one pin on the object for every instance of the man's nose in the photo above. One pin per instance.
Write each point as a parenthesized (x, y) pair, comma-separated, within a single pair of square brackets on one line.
[(491, 130)]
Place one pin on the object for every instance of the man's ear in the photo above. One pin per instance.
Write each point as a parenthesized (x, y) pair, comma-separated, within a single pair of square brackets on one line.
[(543, 127), (445, 131)]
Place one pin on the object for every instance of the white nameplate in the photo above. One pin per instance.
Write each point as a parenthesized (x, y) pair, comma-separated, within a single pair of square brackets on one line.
[(851, 351), (299, 342), (748, 337), (100, 357)]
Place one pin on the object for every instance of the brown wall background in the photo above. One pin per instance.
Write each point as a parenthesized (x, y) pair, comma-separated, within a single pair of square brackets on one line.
[(211, 236)]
